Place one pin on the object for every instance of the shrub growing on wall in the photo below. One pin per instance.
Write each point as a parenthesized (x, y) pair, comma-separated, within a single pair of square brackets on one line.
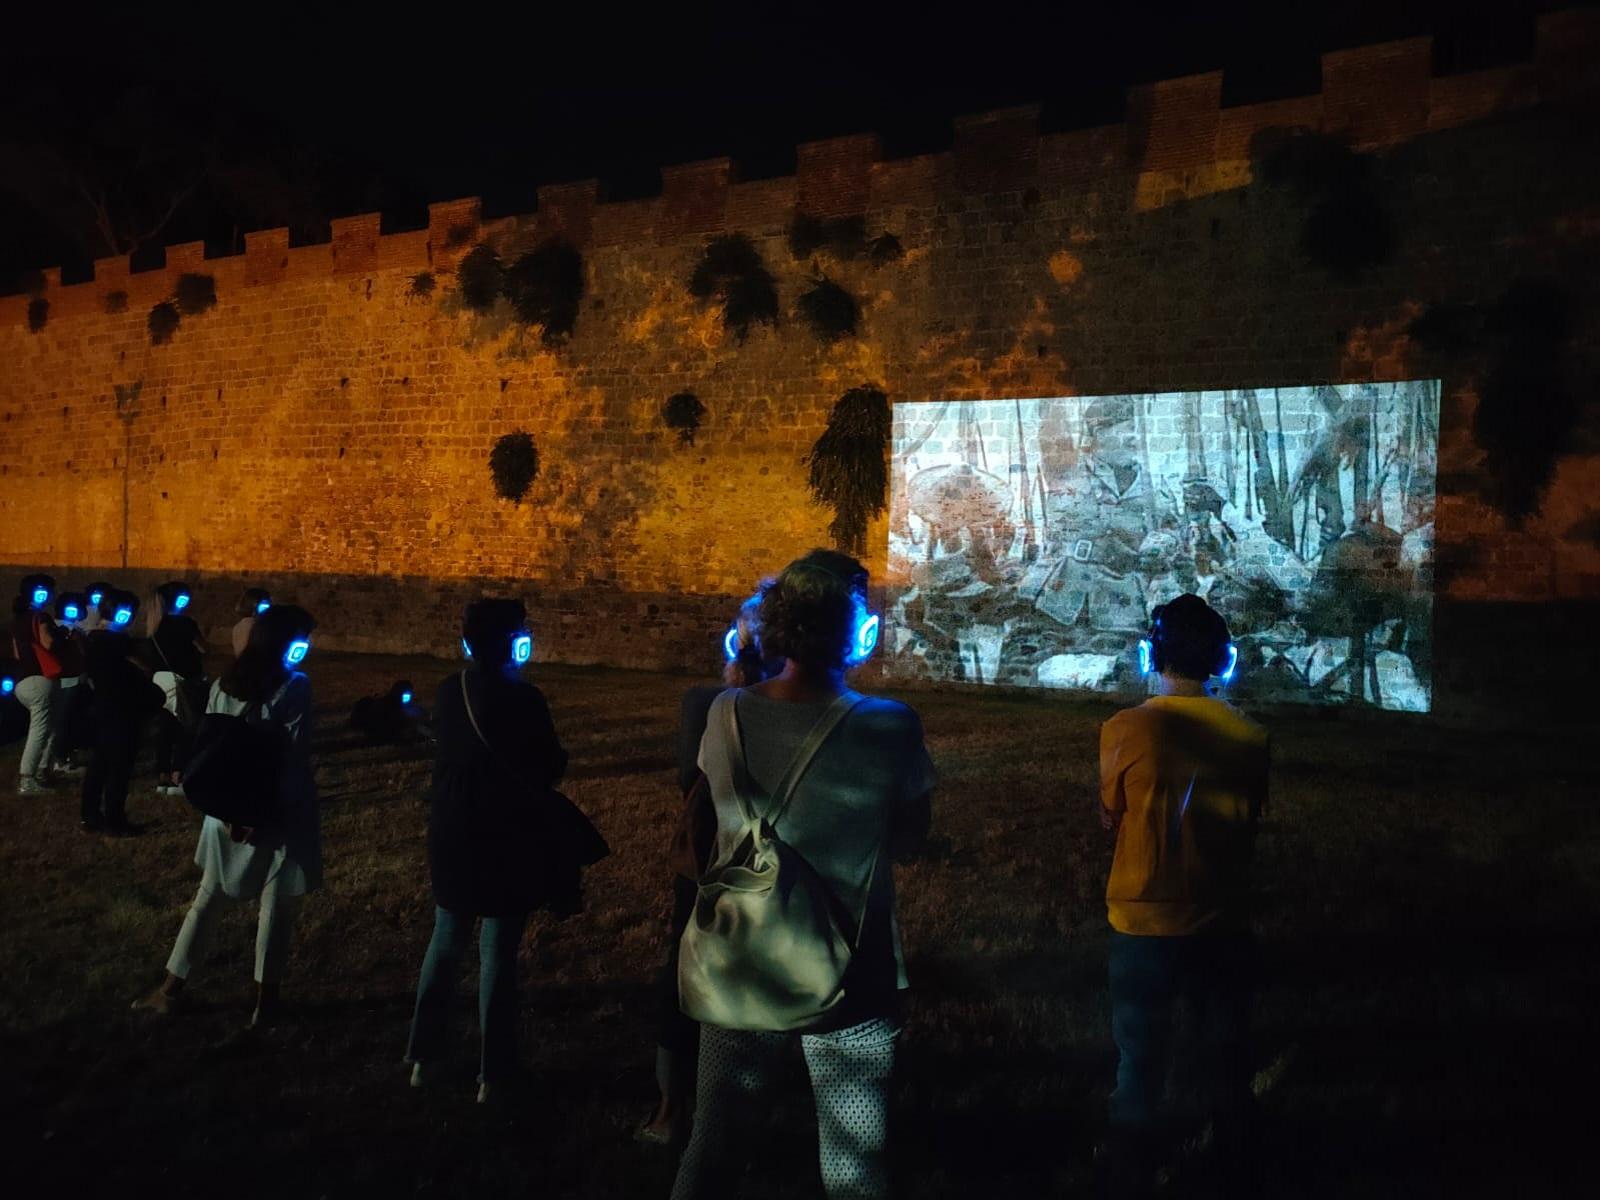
[(195, 293), (481, 278), (163, 323), (1347, 226), (545, 286), (885, 249), (514, 463), (38, 313), (682, 413), (116, 302), (731, 272), (421, 285), (831, 311), (843, 237), (849, 465)]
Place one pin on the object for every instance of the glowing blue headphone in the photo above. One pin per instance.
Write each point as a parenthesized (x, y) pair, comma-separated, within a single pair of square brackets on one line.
[(405, 697), (1229, 662), (71, 612), (180, 602), (296, 653), (263, 604), (95, 597), (863, 634), (521, 648), (7, 685), (730, 640), (41, 595), (122, 616)]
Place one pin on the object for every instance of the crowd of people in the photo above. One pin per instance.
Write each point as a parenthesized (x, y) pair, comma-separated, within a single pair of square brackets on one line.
[(799, 794)]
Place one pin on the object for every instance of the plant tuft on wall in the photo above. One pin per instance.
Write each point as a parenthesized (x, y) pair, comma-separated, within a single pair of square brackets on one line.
[(849, 465), (831, 311), (885, 249), (843, 237), (38, 313), (731, 272), (514, 463), (545, 286), (116, 302), (421, 285), (195, 293), (1347, 227), (163, 323), (682, 413), (481, 278)]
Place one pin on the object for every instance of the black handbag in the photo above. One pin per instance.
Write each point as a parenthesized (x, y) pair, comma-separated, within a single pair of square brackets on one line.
[(236, 768)]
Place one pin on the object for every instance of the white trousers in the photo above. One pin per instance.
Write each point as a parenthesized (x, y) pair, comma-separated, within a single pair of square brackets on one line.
[(274, 928), (39, 696)]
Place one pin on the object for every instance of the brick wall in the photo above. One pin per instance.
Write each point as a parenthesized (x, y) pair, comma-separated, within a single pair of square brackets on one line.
[(326, 431)]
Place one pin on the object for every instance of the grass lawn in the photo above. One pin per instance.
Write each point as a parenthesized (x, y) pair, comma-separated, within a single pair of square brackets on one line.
[(1428, 895)]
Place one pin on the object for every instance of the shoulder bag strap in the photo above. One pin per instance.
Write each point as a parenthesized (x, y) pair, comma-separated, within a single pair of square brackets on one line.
[(466, 699), (744, 783)]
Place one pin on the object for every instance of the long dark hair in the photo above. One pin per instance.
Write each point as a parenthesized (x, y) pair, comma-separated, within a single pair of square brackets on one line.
[(258, 673)]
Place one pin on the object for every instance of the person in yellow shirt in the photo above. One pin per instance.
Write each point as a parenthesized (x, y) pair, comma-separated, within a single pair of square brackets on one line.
[(1183, 782)]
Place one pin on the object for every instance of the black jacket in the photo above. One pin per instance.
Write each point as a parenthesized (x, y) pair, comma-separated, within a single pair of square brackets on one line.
[(490, 851), (124, 696)]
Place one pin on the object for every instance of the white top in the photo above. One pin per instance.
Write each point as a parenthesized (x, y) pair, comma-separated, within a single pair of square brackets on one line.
[(295, 857), (858, 792)]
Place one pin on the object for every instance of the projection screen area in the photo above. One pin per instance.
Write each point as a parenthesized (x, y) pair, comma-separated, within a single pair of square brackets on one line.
[(1029, 539)]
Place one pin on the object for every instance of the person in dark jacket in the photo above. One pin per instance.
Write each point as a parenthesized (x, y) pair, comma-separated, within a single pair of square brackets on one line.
[(391, 719), (678, 1036), (176, 653), (123, 700), (491, 852)]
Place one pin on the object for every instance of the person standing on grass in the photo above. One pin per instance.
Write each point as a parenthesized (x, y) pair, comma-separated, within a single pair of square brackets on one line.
[(845, 781), (33, 644), (177, 652), (70, 646), (1183, 782), (281, 862), (121, 701), (492, 852), (677, 1036)]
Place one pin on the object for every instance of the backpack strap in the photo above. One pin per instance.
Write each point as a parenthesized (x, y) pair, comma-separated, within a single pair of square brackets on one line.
[(466, 699), (744, 785)]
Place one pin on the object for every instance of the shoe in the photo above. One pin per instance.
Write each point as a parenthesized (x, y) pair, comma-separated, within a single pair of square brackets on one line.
[(32, 785), (67, 769), (487, 1093), (169, 789), (421, 1076)]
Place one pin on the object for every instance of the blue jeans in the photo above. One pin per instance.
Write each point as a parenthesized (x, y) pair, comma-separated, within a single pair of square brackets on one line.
[(1214, 974), (497, 990)]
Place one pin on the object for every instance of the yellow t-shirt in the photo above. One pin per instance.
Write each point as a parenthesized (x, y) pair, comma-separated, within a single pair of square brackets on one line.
[(1188, 775)]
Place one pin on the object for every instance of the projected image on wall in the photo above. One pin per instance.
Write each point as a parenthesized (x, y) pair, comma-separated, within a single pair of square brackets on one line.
[(1029, 539)]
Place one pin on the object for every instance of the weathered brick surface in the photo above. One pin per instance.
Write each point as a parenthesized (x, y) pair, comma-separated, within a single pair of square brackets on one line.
[(325, 431)]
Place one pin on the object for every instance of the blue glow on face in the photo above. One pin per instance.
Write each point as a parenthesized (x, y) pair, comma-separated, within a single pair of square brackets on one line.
[(95, 598), (730, 643), (7, 686), (405, 697), (180, 602), (521, 648), (1233, 662), (1147, 656), (41, 597), (262, 606), (296, 653), (865, 638), (122, 616)]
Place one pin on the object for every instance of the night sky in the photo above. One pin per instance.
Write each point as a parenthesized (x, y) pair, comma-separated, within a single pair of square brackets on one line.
[(392, 114)]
